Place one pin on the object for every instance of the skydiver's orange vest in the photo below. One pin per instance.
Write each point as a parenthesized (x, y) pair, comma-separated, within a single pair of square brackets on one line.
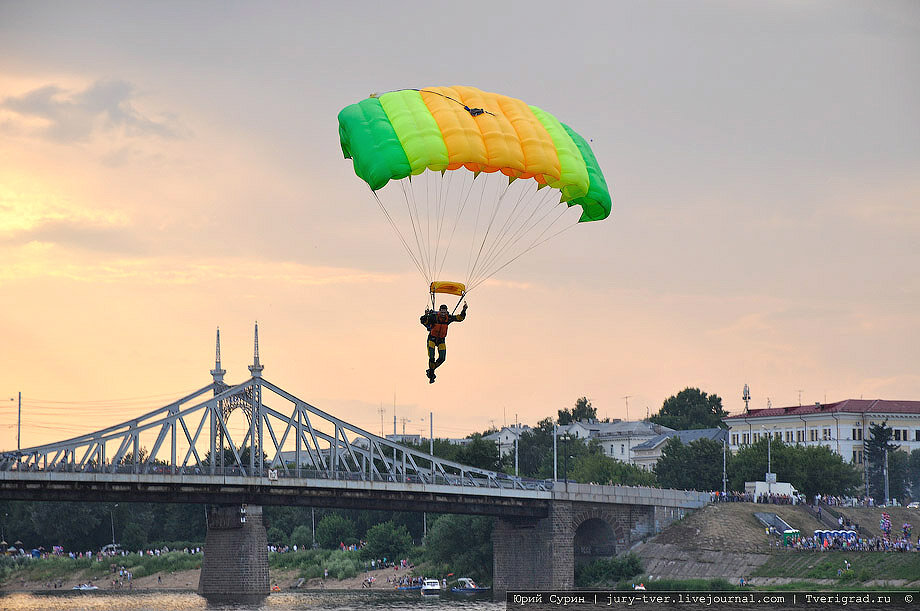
[(439, 329)]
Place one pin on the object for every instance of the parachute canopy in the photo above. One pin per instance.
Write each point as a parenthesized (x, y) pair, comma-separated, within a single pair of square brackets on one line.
[(403, 133), (474, 174), (448, 288)]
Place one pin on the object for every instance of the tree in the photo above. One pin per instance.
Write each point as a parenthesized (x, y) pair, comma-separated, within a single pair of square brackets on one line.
[(811, 470), (463, 543), (691, 408), (276, 536), (913, 474), (582, 411), (480, 453), (599, 469), (875, 447), (334, 529), (302, 537), (386, 540), (694, 466)]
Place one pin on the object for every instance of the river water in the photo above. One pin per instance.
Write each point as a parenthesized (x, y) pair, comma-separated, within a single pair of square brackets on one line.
[(332, 600)]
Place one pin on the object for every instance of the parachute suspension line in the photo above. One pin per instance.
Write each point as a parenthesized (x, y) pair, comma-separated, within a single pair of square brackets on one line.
[(485, 237), (445, 203), (526, 224), (469, 263), (399, 235), (441, 213), (533, 245), (499, 243), (416, 229)]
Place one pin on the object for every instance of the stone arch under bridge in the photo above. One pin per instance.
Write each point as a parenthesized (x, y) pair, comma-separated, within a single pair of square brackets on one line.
[(543, 553)]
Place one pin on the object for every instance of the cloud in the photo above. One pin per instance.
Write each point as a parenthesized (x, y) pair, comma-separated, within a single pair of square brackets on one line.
[(76, 116)]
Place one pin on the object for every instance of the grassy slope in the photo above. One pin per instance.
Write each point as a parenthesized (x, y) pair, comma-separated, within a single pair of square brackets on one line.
[(732, 527)]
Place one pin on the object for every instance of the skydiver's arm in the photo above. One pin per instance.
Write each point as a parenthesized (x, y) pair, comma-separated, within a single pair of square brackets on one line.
[(461, 316)]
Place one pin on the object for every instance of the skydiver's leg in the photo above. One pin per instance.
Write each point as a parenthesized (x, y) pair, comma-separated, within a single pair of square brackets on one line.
[(442, 354), (431, 366)]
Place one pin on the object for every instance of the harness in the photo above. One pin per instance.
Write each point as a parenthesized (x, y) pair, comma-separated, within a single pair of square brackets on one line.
[(439, 328)]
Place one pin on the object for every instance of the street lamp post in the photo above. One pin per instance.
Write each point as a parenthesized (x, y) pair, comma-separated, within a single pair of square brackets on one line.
[(769, 476), (112, 515), (565, 460)]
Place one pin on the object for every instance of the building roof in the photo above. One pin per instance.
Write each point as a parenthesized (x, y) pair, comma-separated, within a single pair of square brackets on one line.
[(855, 406), (688, 436), (616, 428)]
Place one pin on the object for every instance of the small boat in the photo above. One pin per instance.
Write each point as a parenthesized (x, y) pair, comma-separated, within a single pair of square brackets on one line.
[(406, 588), (465, 585), (431, 587), (85, 586)]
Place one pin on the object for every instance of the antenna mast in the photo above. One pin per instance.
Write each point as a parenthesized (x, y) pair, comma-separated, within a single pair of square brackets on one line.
[(746, 397)]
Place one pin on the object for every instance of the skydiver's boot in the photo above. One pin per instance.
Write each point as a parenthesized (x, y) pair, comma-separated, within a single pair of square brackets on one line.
[(431, 376)]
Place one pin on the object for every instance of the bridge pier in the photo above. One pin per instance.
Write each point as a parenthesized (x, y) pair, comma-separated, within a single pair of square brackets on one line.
[(235, 563), (534, 554)]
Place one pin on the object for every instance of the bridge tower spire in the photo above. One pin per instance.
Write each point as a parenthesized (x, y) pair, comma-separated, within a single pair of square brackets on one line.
[(218, 372), (256, 367)]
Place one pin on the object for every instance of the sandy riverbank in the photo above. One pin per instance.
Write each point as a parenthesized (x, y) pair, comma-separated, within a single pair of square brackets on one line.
[(188, 580)]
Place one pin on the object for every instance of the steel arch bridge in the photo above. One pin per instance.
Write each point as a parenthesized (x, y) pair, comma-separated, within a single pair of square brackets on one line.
[(295, 439), (290, 452)]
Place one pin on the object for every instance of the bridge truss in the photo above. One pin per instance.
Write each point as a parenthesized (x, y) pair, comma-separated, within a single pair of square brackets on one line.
[(290, 438)]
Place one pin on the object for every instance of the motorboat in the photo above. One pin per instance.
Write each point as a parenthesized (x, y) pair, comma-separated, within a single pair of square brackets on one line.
[(465, 585), (431, 587), (86, 586)]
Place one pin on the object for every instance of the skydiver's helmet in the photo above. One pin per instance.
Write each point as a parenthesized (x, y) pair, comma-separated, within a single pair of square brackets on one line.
[(443, 307)]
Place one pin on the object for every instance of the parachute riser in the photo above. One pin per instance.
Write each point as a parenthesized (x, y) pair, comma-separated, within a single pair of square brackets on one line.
[(434, 305)]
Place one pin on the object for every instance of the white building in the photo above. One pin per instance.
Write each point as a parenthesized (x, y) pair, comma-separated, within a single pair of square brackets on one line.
[(506, 437), (618, 438), (841, 426), (646, 454)]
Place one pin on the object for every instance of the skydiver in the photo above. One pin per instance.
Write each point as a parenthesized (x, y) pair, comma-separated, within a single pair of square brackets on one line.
[(436, 322)]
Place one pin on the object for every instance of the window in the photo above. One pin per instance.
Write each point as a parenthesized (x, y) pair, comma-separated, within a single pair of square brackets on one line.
[(789, 436), (857, 457), (917, 435), (746, 438), (799, 436), (813, 434), (826, 434), (857, 434), (897, 434), (622, 448), (735, 438)]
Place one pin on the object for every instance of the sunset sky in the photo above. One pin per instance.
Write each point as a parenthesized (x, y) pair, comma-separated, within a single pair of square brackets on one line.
[(170, 167)]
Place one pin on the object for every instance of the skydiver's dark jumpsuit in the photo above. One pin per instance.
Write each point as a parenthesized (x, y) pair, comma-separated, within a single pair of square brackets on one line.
[(436, 322)]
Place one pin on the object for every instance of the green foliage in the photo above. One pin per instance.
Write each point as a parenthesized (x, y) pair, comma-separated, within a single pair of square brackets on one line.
[(276, 536), (694, 466), (864, 566), (583, 410), (142, 566), (685, 585), (875, 446), (462, 544), (599, 469), (386, 540), (334, 529), (913, 474), (302, 537), (691, 409), (312, 563), (603, 572), (63, 567), (811, 470)]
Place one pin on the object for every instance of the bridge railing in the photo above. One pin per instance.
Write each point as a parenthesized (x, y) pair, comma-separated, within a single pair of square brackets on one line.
[(291, 473)]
